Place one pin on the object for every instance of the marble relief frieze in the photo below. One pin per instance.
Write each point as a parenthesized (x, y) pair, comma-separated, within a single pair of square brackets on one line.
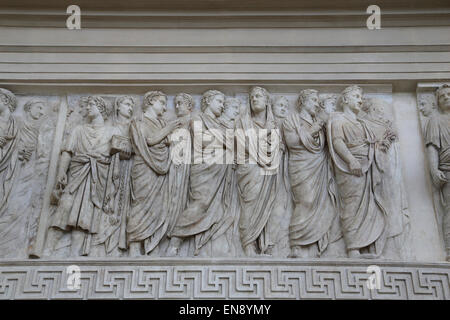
[(246, 175)]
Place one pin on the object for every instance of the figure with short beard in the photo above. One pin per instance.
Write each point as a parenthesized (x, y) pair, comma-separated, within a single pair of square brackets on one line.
[(148, 220), (353, 147), (315, 223), (437, 140), (210, 194), (259, 136), (112, 228), (83, 173)]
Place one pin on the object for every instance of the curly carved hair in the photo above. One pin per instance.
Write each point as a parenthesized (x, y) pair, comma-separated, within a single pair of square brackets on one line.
[(208, 96), (121, 99), (187, 98), (99, 102), (303, 95), (150, 96), (9, 99), (440, 89), (343, 97)]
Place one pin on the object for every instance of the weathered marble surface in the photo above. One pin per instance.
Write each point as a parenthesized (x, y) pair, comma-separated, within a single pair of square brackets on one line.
[(115, 177), (201, 278), (259, 177), (434, 108)]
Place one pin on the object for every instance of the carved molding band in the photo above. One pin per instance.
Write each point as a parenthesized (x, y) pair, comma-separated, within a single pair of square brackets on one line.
[(222, 279)]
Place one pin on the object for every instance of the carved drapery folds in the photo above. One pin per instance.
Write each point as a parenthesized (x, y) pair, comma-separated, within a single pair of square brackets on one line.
[(221, 177), (434, 107)]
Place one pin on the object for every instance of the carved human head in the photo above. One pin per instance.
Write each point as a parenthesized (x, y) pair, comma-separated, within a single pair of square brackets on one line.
[(280, 107), (352, 98), (157, 100), (374, 108), (232, 107), (427, 106), (124, 106), (35, 108), (96, 105), (328, 103), (443, 97), (184, 103), (213, 100), (308, 100), (7, 100), (259, 99)]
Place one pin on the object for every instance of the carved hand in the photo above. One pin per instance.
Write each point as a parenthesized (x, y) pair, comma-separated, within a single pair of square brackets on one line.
[(62, 178), (355, 168), (438, 178), (25, 155)]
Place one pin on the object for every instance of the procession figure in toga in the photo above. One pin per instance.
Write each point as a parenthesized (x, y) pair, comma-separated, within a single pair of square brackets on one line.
[(207, 217), (112, 233), (9, 129), (21, 200), (355, 150), (259, 139), (437, 141), (83, 173), (10, 164), (315, 223), (148, 220), (278, 223), (181, 155)]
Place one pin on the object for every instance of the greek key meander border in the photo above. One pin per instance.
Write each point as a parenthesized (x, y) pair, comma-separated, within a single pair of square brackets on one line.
[(222, 279)]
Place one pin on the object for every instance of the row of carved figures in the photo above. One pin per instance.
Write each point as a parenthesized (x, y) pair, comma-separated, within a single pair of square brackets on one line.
[(322, 181)]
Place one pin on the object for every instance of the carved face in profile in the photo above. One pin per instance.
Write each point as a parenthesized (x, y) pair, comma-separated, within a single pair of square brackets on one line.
[(426, 107), (216, 104), (36, 111), (258, 100), (231, 109), (125, 108), (280, 107), (354, 100), (311, 103), (182, 106), (444, 99), (159, 105), (92, 109)]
